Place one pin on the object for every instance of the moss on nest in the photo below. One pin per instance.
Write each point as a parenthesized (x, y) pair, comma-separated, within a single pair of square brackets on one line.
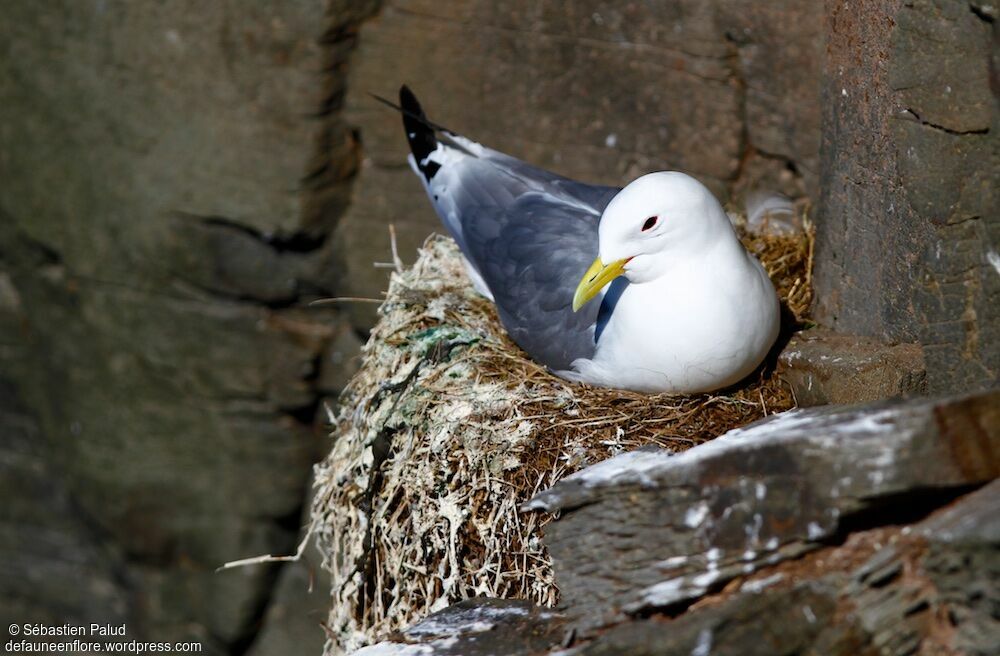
[(448, 427)]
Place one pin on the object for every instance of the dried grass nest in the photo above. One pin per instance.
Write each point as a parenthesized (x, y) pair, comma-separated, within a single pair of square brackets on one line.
[(448, 427)]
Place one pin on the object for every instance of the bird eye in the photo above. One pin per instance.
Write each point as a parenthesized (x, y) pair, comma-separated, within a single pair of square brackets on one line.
[(650, 222)]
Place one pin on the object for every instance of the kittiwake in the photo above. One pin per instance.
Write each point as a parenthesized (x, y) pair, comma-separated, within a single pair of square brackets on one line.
[(681, 307)]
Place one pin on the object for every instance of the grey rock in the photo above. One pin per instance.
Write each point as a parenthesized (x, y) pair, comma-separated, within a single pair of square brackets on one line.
[(340, 360), (750, 499), (297, 609), (55, 567), (884, 590), (764, 624), (963, 564), (825, 367), (477, 627), (908, 217), (293, 622), (172, 175), (895, 584)]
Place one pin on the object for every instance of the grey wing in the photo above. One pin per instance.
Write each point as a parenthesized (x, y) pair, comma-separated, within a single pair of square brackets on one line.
[(470, 179), (530, 234), (532, 255)]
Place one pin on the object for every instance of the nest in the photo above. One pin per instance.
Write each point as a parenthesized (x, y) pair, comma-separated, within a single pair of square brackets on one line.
[(448, 428)]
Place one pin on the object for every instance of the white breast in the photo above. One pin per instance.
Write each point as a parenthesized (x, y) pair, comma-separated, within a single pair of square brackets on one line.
[(704, 326)]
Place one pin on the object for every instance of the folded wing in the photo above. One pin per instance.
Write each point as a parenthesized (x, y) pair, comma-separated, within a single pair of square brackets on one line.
[(528, 234)]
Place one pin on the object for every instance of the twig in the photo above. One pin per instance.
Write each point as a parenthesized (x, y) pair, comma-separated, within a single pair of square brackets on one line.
[(256, 560), (346, 299), (395, 251)]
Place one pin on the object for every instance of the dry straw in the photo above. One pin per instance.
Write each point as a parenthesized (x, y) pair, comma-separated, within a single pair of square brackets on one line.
[(448, 427)]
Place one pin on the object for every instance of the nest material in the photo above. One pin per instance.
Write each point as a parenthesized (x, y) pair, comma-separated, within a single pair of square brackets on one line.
[(448, 427)]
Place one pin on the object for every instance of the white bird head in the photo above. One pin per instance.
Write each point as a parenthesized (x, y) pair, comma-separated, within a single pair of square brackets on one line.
[(651, 223)]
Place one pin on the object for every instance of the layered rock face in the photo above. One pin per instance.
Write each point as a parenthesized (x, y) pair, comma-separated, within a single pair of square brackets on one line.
[(171, 173), (909, 219)]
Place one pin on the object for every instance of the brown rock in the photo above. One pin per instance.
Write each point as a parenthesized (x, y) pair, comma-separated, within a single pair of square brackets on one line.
[(922, 588), (823, 367), (908, 219)]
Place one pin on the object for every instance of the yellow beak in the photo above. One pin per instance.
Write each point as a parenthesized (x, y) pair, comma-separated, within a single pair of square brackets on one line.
[(597, 276)]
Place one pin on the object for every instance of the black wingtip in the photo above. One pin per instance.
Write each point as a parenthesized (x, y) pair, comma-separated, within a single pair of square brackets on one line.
[(419, 132), (408, 101)]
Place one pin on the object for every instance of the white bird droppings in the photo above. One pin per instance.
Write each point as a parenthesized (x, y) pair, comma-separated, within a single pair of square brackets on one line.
[(994, 259), (394, 649), (695, 515), (754, 587), (703, 647)]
